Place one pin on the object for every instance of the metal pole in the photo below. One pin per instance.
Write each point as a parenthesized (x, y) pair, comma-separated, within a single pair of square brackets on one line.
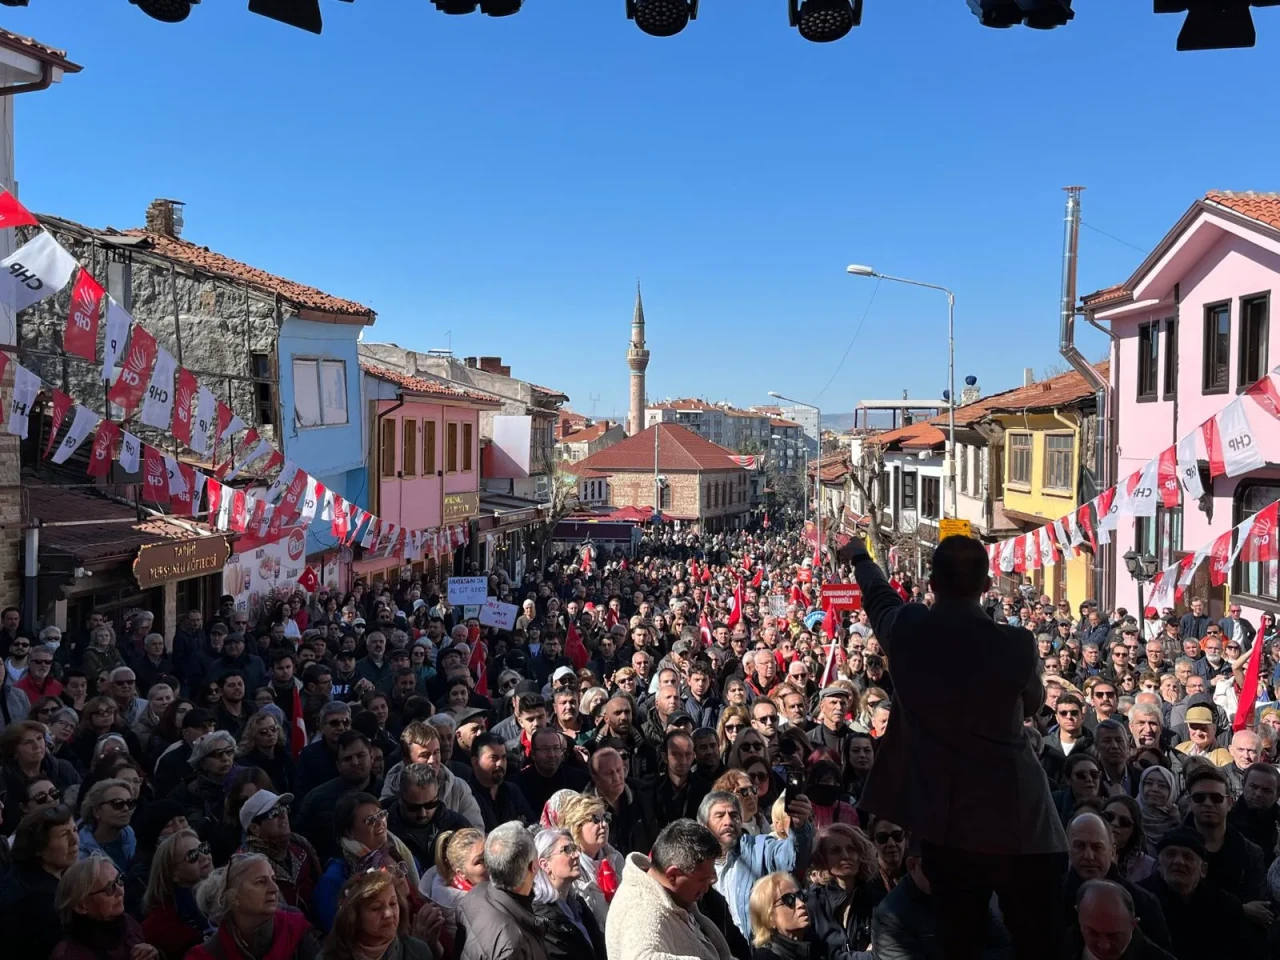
[(951, 405), (817, 482), (657, 484)]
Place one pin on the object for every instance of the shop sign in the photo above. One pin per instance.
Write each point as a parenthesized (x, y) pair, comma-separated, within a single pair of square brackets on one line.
[(460, 506), (159, 563), (951, 527)]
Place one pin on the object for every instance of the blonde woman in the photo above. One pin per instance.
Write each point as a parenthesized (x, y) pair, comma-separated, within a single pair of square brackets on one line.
[(263, 745), (459, 867), (841, 907), (733, 720), (780, 924), (173, 923), (587, 820), (739, 784)]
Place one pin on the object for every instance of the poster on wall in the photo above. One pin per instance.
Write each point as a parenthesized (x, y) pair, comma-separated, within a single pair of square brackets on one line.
[(258, 577)]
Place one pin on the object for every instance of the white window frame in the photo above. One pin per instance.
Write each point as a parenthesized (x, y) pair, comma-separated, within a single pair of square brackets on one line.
[(324, 410)]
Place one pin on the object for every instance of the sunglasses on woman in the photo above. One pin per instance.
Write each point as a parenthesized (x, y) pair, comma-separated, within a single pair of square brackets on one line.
[(50, 796), (275, 813), (599, 818), (117, 804), (196, 852), (791, 898), (379, 817), (1117, 819), (889, 836), (732, 727), (746, 791), (112, 888)]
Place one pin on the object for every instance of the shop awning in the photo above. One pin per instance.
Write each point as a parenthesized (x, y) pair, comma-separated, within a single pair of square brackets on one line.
[(501, 511)]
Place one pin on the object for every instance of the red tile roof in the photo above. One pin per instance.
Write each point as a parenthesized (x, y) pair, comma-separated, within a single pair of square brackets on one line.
[(548, 392), (919, 435), (431, 388), (34, 48), (219, 265), (779, 422), (1106, 295), (678, 449), (1059, 391), (1263, 207), (587, 434)]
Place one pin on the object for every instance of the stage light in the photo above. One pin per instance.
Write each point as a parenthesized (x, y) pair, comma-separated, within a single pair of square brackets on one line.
[(456, 8), (662, 18), (500, 8), (822, 21), (1213, 24), (168, 11), (1040, 14), (303, 14)]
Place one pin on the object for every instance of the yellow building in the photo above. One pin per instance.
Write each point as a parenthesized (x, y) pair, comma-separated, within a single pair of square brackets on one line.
[(1047, 469)]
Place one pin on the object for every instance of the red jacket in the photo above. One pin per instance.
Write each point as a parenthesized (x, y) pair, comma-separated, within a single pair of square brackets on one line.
[(292, 931), (52, 688), (169, 933)]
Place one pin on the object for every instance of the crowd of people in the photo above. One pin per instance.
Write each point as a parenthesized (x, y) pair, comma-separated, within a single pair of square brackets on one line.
[(679, 753)]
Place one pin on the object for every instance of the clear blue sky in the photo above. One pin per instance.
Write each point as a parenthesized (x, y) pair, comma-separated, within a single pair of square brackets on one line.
[(508, 180)]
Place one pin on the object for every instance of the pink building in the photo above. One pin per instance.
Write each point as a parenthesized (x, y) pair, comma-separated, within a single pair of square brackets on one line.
[(424, 467), (1191, 330)]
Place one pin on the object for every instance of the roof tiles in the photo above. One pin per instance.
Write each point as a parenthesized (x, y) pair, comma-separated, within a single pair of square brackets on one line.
[(1059, 391), (1263, 207), (678, 448), (41, 51), (433, 388)]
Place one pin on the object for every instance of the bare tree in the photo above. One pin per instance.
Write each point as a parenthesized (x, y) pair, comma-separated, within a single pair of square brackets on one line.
[(866, 477), (564, 499)]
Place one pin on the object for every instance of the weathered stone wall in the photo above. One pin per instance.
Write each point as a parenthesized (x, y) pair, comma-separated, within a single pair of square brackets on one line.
[(221, 324)]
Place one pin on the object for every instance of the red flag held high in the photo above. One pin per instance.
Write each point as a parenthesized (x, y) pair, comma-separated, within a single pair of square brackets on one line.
[(574, 650), (736, 614), (898, 588), (479, 666), (299, 738), (1249, 692)]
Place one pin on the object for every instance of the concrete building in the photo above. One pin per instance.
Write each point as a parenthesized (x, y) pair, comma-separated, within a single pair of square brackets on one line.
[(26, 66), (637, 362), (702, 488), (590, 439), (1192, 331)]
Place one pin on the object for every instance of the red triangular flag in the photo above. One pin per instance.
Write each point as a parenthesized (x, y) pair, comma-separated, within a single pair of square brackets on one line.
[(1219, 556), (13, 213), (80, 337), (1249, 691), (298, 740), (103, 450), (479, 663), (574, 650), (155, 483), (1167, 478), (1265, 395), (1260, 543), (61, 405), (1213, 445), (183, 394)]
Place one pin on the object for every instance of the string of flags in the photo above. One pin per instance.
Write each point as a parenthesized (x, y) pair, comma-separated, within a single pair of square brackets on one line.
[(152, 384), (1231, 448)]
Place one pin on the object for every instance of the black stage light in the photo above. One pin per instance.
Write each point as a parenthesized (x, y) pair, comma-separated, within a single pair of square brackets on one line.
[(500, 8), (168, 11), (303, 14), (822, 21), (662, 18)]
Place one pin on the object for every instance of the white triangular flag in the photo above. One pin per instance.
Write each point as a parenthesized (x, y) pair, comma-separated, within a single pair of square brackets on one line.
[(84, 422), (1240, 448), (157, 404), (177, 482), (206, 410), (1189, 574), (1006, 556), (130, 452), (326, 505), (37, 269), (117, 333), (1162, 588), (1144, 495), (1188, 471), (26, 387), (199, 476), (370, 534), (309, 501), (287, 473), (234, 427), (1048, 556)]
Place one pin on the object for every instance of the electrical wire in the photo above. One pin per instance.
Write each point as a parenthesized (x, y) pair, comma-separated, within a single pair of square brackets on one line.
[(1113, 237), (840, 365)]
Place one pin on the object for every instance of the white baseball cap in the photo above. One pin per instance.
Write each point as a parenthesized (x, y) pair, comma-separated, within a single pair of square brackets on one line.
[(264, 801)]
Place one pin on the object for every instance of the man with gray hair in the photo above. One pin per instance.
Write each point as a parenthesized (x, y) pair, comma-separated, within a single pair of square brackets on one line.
[(318, 762), (497, 919), (418, 813), (745, 857), (123, 690), (39, 681), (655, 911), (1108, 926)]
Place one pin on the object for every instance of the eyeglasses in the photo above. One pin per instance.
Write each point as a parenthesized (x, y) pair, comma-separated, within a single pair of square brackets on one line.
[(117, 804), (1068, 713), (42, 663), (1115, 818), (768, 719), (732, 727), (1201, 796), (375, 818), (111, 889), (791, 898), (222, 753), (1086, 774), (894, 836), (19, 645), (275, 813), (746, 791), (196, 852), (568, 850), (52, 795), (1104, 694)]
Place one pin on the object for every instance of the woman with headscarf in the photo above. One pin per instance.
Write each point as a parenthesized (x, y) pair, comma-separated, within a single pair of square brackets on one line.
[(571, 927), (1157, 790), (173, 922)]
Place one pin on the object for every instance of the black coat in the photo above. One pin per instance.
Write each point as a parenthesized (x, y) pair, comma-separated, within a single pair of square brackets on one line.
[(317, 764), (1237, 868), (1146, 907), (563, 940), (538, 789), (31, 926), (62, 773), (421, 838), (1258, 826), (904, 926), (715, 908), (315, 817), (1210, 923), (844, 933), (662, 803), (509, 804), (630, 831), (780, 947), (279, 767)]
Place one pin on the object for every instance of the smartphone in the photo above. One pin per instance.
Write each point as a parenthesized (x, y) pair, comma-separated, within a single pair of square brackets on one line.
[(795, 787)]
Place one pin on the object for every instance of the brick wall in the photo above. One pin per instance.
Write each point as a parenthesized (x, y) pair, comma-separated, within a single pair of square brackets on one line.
[(688, 492)]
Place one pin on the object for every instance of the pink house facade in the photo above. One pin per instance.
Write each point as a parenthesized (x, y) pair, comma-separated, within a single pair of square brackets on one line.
[(1191, 331), (424, 461)]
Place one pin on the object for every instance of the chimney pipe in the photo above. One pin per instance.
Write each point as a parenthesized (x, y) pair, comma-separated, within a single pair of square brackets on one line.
[(1028, 376)]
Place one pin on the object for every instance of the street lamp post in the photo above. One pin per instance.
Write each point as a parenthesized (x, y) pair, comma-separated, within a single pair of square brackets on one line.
[(817, 473), (806, 479), (1142, 567), (860, 270)]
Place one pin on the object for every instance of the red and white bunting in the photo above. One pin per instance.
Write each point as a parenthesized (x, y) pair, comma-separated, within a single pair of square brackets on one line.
[(1240, 448), (118, 324), (80, 337), (135, 373), (371, 534), (83, 422), (36, 270), (183, 394), (26, 387), (1188, 469), (206, 410), (130, 452), (104, 445), (155, 479), (1167, 477), (157, 403), (1259, 544), (61, 406)]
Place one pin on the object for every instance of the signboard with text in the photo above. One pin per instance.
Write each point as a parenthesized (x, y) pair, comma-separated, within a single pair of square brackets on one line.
[(460, 506), (495, 613), (842, 596), (465, 590), (158, 563), (952, 527)]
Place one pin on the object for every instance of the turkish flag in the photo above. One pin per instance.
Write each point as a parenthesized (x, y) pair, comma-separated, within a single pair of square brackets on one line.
[(61, 405), (1167, 478), (13, 213), (309, 580), (155, 482), (135, 373), (80, 337), (184, 393), (1260, 543), (899, 589), (103, 450), (1220, 559), (736, 614)]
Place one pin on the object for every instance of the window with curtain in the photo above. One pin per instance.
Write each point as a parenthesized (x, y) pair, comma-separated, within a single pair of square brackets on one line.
[(1255, 579)]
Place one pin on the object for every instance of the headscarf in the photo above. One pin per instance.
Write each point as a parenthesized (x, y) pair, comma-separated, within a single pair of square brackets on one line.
[(1158, 820), (551, 809)]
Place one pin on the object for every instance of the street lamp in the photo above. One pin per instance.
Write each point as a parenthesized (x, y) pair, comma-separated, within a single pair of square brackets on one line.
[(805, 498), (861, 270), (1142, 567), (817, 473)]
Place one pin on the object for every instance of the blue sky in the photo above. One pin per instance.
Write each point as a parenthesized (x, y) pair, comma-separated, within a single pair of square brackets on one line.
[(499, 185)]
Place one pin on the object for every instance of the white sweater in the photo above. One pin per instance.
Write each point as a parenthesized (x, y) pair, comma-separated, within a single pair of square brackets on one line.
[(645, 924)]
